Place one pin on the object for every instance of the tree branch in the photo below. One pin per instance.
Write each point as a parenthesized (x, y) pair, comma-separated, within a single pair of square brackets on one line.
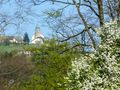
[(85, 23)]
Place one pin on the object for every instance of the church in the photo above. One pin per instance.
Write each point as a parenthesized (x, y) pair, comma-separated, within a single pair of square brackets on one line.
[(38, 37)]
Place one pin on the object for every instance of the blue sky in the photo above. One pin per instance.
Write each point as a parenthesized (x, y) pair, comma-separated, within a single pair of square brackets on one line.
[(30, 21)]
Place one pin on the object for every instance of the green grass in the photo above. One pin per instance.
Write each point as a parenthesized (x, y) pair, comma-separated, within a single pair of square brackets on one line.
[(12, 47)]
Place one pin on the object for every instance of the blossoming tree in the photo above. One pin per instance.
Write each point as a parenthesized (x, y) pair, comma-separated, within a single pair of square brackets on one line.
[(99, 70)]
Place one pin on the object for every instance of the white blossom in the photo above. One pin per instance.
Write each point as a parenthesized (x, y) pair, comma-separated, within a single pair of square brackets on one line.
[(101, 69)]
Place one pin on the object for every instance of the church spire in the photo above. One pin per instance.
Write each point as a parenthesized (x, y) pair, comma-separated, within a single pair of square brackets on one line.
[(37, 29), (37, 32), (38, 36)]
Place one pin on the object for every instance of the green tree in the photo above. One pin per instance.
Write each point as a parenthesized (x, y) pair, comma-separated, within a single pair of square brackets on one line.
[(51, 64), (26, 38)]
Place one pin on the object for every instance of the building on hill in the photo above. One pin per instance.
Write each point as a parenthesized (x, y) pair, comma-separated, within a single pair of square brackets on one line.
[(16, 39), (10, 39), (38, 37)]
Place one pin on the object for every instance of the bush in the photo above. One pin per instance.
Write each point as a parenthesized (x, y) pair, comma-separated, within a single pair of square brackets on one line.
[(51, 65), (13, 71)]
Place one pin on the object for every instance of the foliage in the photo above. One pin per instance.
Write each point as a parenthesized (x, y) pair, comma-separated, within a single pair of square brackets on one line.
[(9, 49), (51, 65), (99, 70), (26, 38)]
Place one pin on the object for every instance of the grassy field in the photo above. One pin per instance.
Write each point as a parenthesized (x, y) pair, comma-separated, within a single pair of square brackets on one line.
[(13, 48)]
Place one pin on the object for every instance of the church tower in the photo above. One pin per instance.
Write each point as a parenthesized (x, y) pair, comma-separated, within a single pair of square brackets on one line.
[(38, 37)]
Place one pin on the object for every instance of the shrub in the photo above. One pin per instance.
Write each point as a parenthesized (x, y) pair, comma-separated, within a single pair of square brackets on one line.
[(51, 65), (13, 71)]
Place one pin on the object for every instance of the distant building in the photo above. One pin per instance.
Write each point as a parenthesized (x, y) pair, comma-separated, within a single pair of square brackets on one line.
[(38, 37), (16, 39), (10, 39)]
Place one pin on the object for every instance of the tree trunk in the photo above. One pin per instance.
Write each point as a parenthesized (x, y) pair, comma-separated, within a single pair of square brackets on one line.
[(100, 10)]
